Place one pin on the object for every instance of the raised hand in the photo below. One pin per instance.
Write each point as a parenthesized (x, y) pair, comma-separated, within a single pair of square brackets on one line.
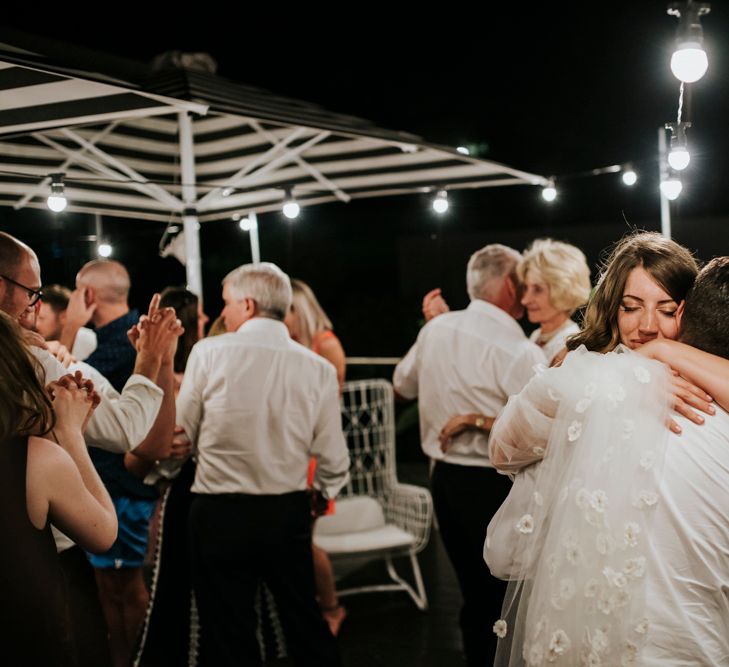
[(434, 304), (78, 313)]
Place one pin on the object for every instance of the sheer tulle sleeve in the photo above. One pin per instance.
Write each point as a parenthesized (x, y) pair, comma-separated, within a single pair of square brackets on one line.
[(520, 435), (582, 540)]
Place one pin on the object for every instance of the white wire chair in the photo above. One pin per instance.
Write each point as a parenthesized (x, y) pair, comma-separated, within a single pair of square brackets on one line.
[(376, 516)]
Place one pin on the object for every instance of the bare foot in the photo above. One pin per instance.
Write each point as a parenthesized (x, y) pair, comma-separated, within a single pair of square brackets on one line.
[(334, 616)]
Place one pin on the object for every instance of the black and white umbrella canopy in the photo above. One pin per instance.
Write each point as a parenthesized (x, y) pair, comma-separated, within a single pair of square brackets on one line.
[(120, 150)]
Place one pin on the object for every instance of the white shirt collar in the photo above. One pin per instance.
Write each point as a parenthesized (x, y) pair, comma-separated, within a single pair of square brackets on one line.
[(495, 312), (265, 325)]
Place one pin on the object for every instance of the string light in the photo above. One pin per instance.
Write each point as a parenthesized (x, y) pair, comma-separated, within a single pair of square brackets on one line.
[(689, 61), (440, 203), (291, 208), (104, 250), (678, 155), (463, 150), (629, 176), (549, 192), (671, 187), (57, 200), (246, 224)]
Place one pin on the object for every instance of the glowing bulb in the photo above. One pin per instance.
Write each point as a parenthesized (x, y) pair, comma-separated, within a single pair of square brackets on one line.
[(549, 193), (246, 224), (671, 188), (689, 62), (629, 177), (679, 158), (440, 203), (463, 150), (104, 250), (57, 203), (291, 209)]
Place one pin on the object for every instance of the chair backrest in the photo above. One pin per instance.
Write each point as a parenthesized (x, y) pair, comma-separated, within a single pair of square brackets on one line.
[(368, 421)]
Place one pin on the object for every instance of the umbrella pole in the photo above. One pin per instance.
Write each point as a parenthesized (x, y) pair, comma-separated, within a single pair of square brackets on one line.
[(189, 197)]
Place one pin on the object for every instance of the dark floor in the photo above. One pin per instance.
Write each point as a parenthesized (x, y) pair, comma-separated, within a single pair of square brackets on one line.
[(384, 629)]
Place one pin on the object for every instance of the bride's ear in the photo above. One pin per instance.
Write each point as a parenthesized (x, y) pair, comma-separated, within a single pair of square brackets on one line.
[(679, 313)]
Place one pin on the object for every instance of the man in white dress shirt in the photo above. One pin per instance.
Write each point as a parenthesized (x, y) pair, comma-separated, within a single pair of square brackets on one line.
[(468, 363), (257, 406)]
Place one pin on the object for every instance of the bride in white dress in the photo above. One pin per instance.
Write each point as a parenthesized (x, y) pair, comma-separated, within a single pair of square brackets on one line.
[(578, 542)]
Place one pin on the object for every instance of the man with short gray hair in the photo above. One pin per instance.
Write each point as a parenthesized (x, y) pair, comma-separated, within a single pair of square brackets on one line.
[(257, 406), (468, 363)]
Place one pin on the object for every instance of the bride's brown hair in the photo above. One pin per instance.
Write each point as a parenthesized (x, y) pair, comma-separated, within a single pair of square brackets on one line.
[(671, 265), (25, 406)]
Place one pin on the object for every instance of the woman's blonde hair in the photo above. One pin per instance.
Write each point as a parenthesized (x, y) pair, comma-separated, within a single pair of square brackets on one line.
[(312, 318), (25, 406), (671, 265), (562, 267)]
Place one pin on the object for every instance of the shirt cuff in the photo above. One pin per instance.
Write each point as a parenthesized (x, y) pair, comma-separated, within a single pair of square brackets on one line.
[(144, 381)]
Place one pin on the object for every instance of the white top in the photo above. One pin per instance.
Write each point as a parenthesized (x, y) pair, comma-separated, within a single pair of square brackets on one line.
[(84, 343), (257, 406), (558, 340), (466, 361), (121, 421), (688, 565)]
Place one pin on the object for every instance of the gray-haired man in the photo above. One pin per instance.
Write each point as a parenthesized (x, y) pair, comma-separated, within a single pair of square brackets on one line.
[(468, 363), (256, 406)]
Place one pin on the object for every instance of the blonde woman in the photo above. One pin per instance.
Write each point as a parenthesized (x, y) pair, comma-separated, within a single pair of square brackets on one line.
[(309, 325)]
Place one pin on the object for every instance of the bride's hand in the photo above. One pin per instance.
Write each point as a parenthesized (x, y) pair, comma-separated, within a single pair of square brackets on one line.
[(687, 398)]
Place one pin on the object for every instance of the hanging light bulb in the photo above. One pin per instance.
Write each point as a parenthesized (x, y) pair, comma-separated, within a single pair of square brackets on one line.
[(57, 200), (678, 156), (549, 192), (629, 176), (246, 224), (290, 208), (440, 203), (671, 187), (689, 62), (463, 150), (104, 250)]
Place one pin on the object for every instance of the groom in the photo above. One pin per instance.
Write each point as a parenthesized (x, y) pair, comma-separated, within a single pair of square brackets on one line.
[(687, 564)]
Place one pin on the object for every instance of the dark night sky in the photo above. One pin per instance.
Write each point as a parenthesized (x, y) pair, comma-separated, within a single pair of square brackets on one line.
[(554, 88)]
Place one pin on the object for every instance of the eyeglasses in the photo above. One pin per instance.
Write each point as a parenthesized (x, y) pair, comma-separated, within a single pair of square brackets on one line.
[(34, 295)]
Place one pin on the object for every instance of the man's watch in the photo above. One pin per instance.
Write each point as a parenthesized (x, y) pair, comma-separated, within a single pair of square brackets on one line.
[(480, 421)]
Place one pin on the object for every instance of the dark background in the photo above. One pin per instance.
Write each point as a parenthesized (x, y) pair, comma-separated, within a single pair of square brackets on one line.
[(555, 88)]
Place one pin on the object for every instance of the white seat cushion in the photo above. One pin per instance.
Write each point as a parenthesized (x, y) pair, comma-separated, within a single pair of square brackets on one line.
[(358, 526), (352, 515), (387, 537)]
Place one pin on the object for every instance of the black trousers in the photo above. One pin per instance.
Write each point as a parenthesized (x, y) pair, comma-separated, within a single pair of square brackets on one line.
[(235, 541), (465, 498)]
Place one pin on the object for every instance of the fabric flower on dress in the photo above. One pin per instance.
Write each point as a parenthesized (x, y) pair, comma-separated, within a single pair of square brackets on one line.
[(646, 499), (604, 602), (538, 451), (573, 554), (574, 431), (642, 374), (628, 429), (617, 579), (615, 396), (582, 405), (590, 389), (599, 501), (591, 659), (648, 459), (500, 628), (632, 530), (634, 567), (526, 524), (559, 644), (553, 394), (599, 640), (630, 655), (535, 656), (567, 588), (591, 588), (619, 598), (642, 627)]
